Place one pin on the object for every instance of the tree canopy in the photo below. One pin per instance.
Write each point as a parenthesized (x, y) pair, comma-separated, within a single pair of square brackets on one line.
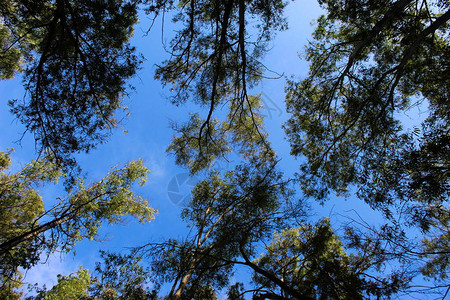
[(215, 61), (75, 57), (116, 277), (27, 229), (370, 63)]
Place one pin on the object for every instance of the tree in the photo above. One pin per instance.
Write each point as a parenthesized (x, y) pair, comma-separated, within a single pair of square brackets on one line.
[(215, 62), (11, 291), (9, 56), (121, 277), (116, 277), (343, 115), (229, 215), (307, 262), (312, 259), (243, 134), (27, 230), (73, 287), (369, 61), (76, 58), (309, 259)]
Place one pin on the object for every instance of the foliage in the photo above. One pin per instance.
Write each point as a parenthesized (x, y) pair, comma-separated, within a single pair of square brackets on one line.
[(213, 56), (9, 56), (215, 62), (21, 206), (235, 291), (241, 132), (369, 63), (312, 260), (10, 286), (71, 287), (76, 59), (120, 277), (117, 277), (228, 214), (436, 246), (27, 229)]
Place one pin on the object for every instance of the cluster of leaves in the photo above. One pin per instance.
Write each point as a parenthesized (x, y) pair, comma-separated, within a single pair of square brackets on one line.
[(27, 230), (242, 132), (369, 63), (213, 56), (311, 259), (76, 58), (215, 62), (228, 214), (118, 277)]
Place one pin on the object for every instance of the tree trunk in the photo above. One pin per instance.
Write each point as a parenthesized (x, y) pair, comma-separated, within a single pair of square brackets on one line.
[(11, 243), (184, 280)]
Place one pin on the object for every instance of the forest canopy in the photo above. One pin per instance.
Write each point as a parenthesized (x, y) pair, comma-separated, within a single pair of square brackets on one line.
[(253, 230)]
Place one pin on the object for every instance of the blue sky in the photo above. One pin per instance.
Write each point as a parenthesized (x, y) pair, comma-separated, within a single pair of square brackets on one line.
[(149, 134)]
